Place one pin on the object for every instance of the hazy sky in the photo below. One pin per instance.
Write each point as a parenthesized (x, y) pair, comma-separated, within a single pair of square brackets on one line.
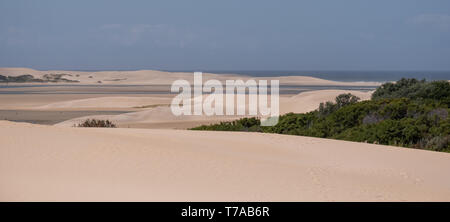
[(226, 35)]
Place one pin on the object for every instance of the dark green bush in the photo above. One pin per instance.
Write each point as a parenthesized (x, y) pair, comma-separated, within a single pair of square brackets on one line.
[(415, 89), (97, 123), (340, 101)]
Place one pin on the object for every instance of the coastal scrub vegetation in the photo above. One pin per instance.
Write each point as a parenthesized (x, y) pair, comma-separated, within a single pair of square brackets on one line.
[(47, 78), (408, 113), (97, 123)]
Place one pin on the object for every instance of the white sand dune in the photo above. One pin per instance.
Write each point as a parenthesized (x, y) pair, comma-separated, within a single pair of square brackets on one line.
[(309, 101), (108, 102), (159, 115), (146, 77), (48, 163), (303, 102)]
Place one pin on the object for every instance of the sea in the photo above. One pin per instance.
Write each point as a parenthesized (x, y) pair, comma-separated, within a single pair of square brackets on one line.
[(346, 76)]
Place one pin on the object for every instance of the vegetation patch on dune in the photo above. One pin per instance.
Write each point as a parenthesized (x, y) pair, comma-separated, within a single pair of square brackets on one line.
[(57, 78), (97, 123), (30, 79), (19, 79), (408, 113)]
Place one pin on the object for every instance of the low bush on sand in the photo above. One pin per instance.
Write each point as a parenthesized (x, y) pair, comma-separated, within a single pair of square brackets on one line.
[(97, 123)]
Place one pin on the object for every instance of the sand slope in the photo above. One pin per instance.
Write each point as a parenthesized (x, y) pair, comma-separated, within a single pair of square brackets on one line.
[(48, 163)]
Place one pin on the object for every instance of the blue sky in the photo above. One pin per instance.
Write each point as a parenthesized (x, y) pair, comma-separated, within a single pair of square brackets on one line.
[(226, 35)]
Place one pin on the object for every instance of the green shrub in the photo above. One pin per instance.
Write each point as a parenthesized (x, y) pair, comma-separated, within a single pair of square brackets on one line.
[(340, 101), (97, 123), (415, 89)]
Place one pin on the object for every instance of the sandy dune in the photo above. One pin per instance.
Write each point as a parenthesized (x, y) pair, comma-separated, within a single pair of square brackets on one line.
[(48, 163), (162, 117), (155, 114), (309, 101), (146, 77), (108, 103)]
